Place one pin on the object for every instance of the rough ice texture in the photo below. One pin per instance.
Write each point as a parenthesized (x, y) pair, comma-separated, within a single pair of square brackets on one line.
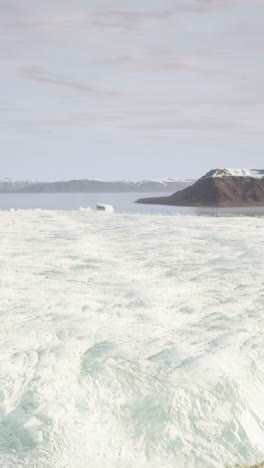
[(131, 341), (104, 207), (255, 173)]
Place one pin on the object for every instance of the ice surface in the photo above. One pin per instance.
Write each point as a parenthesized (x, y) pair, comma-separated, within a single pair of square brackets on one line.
[(130, 341), (104, 207)]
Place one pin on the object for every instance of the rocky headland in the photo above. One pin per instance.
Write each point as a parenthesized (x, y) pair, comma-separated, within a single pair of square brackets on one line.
[(219, 188)]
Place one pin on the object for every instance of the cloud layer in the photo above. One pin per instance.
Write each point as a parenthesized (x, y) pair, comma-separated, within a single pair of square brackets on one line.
[(164, 71), (39, 75)]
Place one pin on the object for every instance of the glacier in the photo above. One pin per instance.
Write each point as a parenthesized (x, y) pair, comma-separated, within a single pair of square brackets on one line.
[(131, 341)]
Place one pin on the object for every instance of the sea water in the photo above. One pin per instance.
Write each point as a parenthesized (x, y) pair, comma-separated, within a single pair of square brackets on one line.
[(122, 203), (130, 340)]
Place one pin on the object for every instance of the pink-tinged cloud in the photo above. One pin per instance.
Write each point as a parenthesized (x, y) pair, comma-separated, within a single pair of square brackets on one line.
[(40, 75)]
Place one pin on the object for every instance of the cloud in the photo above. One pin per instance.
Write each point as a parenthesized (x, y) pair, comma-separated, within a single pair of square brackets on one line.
[(149, 127), (224, 125), (164, 63), (40, 75), (127, 18), (78, 17), (5, 109), (9, 42), (149, 118), (72, 19), (150, 62)]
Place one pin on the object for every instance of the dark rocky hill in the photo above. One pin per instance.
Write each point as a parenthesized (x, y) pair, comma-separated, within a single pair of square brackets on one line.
[(219, 187)]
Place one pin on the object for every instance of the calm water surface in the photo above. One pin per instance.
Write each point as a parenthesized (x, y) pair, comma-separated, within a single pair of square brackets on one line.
[(122, 203)]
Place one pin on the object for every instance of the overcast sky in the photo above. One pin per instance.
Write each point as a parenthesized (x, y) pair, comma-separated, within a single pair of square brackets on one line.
[(130, 89)]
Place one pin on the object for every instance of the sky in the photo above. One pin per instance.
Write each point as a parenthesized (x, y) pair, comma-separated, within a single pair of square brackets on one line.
[(130, 89)]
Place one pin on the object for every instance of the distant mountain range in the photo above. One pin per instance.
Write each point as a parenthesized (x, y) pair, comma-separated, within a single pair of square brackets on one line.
[(94, 186), (9, 185), (219, 187)]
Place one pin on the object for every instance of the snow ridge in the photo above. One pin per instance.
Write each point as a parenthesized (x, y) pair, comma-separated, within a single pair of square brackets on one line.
[(255, 173)]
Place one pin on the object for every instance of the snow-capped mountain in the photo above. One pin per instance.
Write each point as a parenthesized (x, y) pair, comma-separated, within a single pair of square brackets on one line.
[(255, 173), (10, 185), (219, 187), (97, 186)]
